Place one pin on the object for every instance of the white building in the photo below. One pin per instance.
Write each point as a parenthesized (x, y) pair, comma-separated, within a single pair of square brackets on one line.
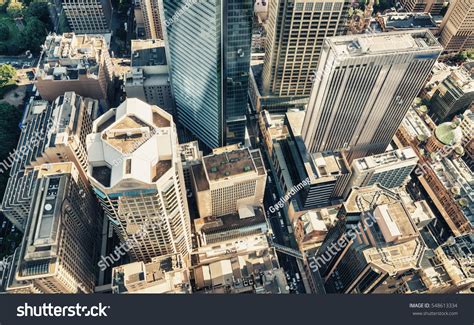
[(228, 180), (390, 169), (363, 89), (136, 172)]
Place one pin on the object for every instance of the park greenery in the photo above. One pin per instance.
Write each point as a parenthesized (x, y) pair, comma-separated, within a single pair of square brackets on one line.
[(23, 26), (10, 117)]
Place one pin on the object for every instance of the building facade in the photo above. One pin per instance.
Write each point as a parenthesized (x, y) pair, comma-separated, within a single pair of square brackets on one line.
[(88, 16), (151, 19), (149, 78), (453, 95), (366, 87), (457, 27), (62, 236), (51, 133), (434, 7), (79, 63), (136, 172), (390, 169), (228, 180), (209, 48), (295, 34)]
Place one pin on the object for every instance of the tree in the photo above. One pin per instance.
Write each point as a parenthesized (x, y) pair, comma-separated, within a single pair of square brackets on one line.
[(34, 34), (7, 72), (4, 32), (39, 10), (14, 9)]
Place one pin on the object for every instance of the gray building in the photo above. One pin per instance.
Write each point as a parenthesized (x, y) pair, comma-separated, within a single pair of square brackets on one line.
[(366, 85), (209, 45), (295, 34), (88, 16), (62, 241), (149, 79), (453, 95), (390, 169)]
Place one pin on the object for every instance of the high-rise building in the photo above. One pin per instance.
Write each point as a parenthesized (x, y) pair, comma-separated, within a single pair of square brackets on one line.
[(366, 86), (151, 19), (79, 63), (390, 169), (164, 274), (136, 172), (62, 236), (453, 95), (434, 7), (149, 78), (295, 34), (50, 133), (457, 27), (190, 156), (230, 179), (374, 241), (88, 16), (209, 46)]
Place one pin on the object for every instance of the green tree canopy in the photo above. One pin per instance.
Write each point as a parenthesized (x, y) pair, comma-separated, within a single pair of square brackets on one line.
[(4, 32), (7, 72)]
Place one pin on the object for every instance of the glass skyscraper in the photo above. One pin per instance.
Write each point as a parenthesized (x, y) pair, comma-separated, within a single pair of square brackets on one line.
[(209, 42)]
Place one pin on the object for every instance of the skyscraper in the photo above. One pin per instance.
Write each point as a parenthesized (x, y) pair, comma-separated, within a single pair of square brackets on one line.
[(296, 30), (374, 241), (457, 27), (88, 16), (151, 19), (50, 134), (209, 43), (364, 88), (135, 170), (62, 236)]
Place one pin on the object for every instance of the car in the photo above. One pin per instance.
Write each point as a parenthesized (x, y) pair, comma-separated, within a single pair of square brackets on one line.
[(282, 223), (297, 275), (274, 196)]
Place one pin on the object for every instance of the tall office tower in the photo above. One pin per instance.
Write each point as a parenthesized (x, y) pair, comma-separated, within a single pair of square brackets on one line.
[(295, 34), (367, 85), (136, 172), (50, 133), (434, 7), (149, 78), (151, 19), (457, 27), (228, 180), (209, 48), (88, 16), (79, 63), (61, 243), (453, 95), (374, 241), (390, 169)]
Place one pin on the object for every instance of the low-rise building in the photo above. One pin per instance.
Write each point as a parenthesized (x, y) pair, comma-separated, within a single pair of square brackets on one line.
[(149, 78), (78, 63), (390, 169), (164, 274), (229, 179)]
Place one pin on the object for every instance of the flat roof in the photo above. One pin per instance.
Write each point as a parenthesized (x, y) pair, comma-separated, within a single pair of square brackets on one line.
[(381, 43), (229, 164)]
